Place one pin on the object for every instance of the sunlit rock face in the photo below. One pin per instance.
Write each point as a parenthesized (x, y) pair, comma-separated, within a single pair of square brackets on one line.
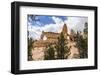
[(52, 38), (38, 53), (44, 38)]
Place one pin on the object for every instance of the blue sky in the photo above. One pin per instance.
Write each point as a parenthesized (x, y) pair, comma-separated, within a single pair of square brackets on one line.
[(39, 23), (38, 20)]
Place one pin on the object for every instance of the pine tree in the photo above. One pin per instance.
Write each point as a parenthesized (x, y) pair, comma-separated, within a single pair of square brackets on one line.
[(50, 53), (86, 40), (82, 46), (61, 47), (30, 47), (73, 32), (85, 28), (82, 42), (72, 35)]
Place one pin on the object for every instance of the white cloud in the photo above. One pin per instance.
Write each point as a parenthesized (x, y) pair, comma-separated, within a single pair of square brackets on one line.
[(57, 20), (35, 32), (76, 23)]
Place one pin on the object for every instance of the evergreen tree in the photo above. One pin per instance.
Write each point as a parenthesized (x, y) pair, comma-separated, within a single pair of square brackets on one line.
[(86, 40), (85, 28), (82, 42), (61, 47), (50, 53), (30, 47), (73, 32), (72, 35)]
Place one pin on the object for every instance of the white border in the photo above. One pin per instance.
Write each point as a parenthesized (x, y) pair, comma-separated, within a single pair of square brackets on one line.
[(26, 65)]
